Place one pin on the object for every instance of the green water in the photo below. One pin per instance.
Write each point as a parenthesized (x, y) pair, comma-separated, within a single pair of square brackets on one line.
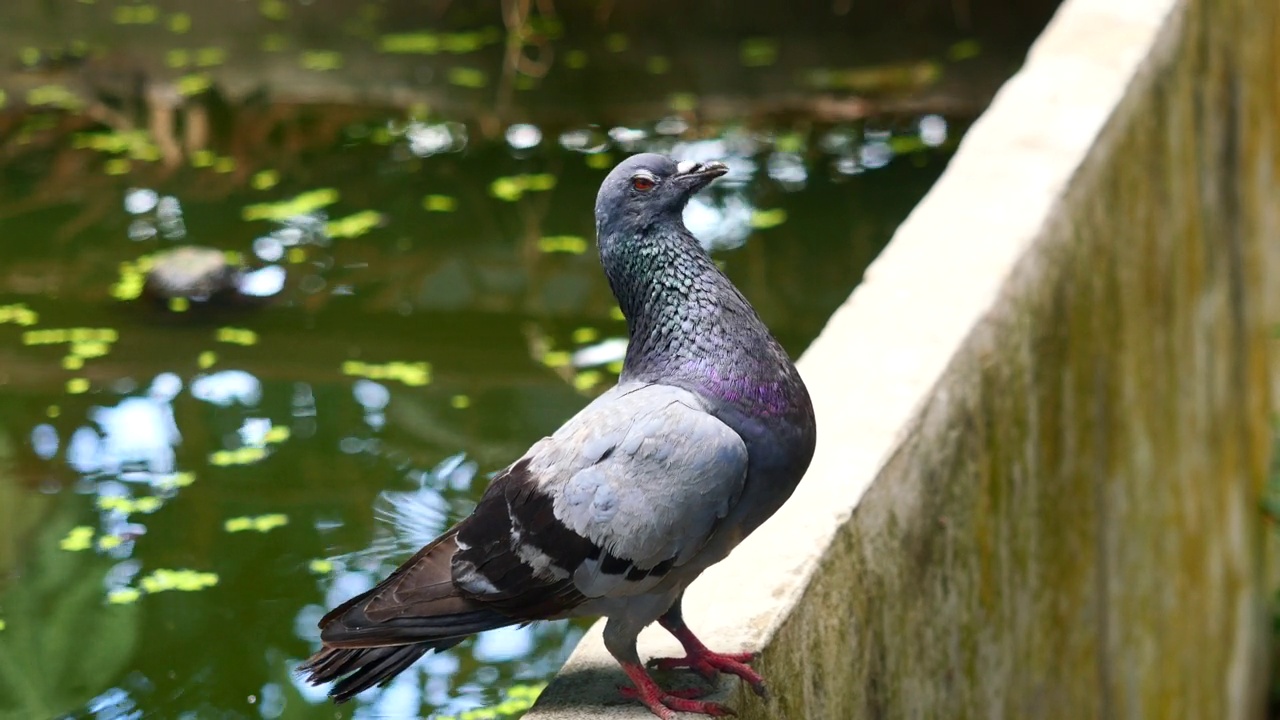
[(184, 491)]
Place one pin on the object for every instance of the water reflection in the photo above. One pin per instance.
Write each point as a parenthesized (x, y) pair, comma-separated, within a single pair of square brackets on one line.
[(186, 485)]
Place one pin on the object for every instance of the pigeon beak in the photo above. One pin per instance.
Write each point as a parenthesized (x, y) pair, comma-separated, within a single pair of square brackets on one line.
[(696, 176)]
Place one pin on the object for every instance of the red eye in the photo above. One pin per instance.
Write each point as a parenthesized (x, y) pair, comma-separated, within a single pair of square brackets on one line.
[(642, 183)]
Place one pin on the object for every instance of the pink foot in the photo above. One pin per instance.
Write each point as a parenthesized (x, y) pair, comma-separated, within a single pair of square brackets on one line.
[(662, 703), (707, 664)]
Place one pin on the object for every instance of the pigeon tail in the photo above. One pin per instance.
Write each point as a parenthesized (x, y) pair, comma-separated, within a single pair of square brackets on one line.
[(377, 634)]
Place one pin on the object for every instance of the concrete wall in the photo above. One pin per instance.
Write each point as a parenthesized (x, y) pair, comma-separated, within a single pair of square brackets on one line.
[(1044, 414)]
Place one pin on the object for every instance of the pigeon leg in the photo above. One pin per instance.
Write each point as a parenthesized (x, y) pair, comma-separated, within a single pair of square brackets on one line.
[(701, 659), (661, 702)]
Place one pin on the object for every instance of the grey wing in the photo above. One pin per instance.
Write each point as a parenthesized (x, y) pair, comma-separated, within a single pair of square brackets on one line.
[(646, 474)]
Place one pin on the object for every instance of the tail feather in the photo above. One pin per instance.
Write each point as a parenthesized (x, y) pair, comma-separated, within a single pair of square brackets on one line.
[(376, 635)]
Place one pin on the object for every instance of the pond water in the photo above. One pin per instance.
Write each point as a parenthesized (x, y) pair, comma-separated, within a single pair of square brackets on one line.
[(184, 488)]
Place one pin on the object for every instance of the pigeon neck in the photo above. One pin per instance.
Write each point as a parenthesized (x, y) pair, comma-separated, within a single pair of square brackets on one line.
[(684, 317)]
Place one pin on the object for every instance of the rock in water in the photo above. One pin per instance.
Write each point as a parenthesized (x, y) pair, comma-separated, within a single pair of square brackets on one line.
[(707, 433)]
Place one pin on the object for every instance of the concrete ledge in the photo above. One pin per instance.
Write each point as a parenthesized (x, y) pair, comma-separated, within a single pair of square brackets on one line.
[(1043, 417)]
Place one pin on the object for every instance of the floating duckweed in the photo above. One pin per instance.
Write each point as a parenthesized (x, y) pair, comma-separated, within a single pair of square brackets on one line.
[(126, 505), (18, 314), (117, 166), (135, 14), (683, 102), (353, 225), (236, 336), (584, 335), (79, 538), (132, 279), (462, 43), (52, 411), (239, 456), (123, 596), (55, 96), (423, 43), (519, 699), (964, 50), (261, 523), (615, 312), (307, 202), (440, 203), (136, 143), (207, 359), (203, 158), (599, 161), (556, 359), (657, 65), (575, 59), (274, 42), (29, 56), (108, 542), (224, 165), (77, 386), (176, 59), (264, 179), (56, 336), (184, 580), (574, 244), (586, 380), (765, 219), (758, 52), (320, 60), (3, 98), (418, 373), (460, 402), (467, 77), (906, 144), (210, 56), (71, 362), (614, 367), (90, 348), (512, 187), (179, 23), (296, 255), (616, 42), (277, 434), (320, 566), (273, 9), (175, 480), (179, 304), (3, 625)]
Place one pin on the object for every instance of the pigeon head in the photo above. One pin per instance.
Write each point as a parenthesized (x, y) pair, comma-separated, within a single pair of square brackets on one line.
[(649, 188)]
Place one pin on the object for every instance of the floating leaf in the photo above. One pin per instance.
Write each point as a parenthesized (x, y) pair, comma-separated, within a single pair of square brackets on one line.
[(765, 219), (108, 542), (261, 523), (574, 244), (239, 456), (467, 77), (586, 380), (303, 204), (224, 165), (175, 480), (55, 96), (273, 9), (183, 580), (264, 179), (207, 359), (321, 567), (556, 359), (135, 14), (203, 158), (179, 23), (3, 625), (79, 538), (71, 362), (964, 50), (600, 161), (18, 314), (439, 203), (353, 225), (236, 336), (413, 374), (123, 596), (177, 59), (320, 60), (423, 43), (179, 304), (511, 188), (460, 402), (55, 336), (277, 434), (77, 386), (210, 57), (584, 335), (758, 52)]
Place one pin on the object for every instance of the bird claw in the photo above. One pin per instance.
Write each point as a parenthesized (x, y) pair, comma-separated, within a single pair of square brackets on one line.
[(663, 702), (708, 664)]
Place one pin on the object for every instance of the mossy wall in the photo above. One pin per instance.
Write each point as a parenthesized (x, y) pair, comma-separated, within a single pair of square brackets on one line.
[(1070, 528)]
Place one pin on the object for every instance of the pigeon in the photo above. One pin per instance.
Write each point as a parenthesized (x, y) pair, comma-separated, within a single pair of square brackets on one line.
[(706, 434)]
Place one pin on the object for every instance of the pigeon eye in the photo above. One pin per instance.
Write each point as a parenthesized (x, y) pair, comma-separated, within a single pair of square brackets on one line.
[(643, 183)]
